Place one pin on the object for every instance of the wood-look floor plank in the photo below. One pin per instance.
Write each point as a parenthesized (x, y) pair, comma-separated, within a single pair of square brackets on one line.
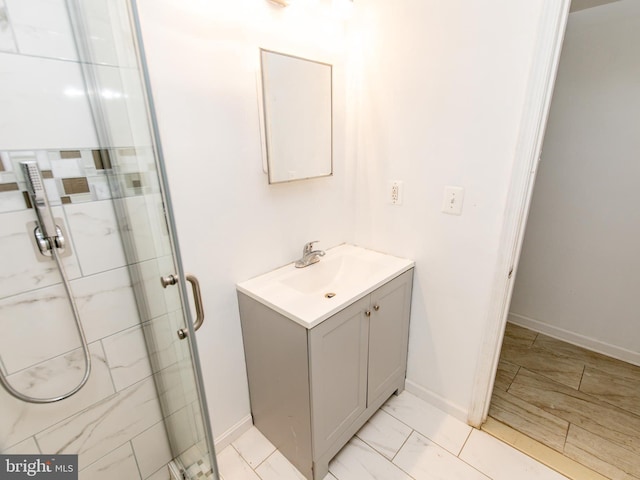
[(529, 419), (577, 408), (602, 455), (561, 369), (505, 375), (517, 335), (621, 391), (603, 417), (592, 359)]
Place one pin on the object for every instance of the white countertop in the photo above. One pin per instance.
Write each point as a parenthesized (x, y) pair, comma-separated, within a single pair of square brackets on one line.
[(348, 271)]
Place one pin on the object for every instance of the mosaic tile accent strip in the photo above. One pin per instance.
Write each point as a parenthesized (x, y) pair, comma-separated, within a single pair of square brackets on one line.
[(8, 187), (70, 154), (75, 185), (78, 176), (101, 159)]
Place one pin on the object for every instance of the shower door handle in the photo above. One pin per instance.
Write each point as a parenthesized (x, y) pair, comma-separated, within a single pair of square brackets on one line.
[(197, 298)]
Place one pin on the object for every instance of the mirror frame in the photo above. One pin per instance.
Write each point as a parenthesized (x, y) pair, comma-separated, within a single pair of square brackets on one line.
[(265, 127)]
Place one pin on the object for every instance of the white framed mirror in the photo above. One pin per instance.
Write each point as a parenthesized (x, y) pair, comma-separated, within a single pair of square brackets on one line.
[(296, 117)]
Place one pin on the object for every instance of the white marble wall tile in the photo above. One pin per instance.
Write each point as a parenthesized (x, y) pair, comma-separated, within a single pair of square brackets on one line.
[(161, 474), (178, 321), (127, 357), (445, 430), (49, 111), (233, 467), (199, 420), (384, 433), (100, 189), (254, 447), (110, 32), (106, 303), (67, 167), (42, 28), (20, 419), (4, 156), (26, 447), (172, 296), (358, 461), (158, 301), (87, 162), (181, 428), (96, 431), (53, 193), (152, 449), (123, 105), (7, 39), (118, 464), (24, 268), (162, 342), (500, 461), (146, 230), (423, 459), (95, 236), (12, 201), (170, 389), (55, 376), (41, 326)]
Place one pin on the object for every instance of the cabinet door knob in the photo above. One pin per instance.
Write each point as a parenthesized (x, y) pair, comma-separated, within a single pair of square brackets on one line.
[(376, 307), (367, 313)]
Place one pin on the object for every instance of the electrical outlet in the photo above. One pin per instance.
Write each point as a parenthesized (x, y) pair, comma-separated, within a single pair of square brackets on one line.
[(395, 192), (452, 202)]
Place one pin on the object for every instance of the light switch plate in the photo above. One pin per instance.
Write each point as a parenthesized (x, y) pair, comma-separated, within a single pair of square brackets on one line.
[(453, 198)]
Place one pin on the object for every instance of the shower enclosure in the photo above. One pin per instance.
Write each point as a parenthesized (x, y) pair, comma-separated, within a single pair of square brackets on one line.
[(121, 387)]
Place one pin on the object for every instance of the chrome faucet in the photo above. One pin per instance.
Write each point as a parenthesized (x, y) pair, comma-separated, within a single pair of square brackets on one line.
[(309, 255)]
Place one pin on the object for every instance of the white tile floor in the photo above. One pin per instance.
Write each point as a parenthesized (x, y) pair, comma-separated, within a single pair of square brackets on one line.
[(406, 439)]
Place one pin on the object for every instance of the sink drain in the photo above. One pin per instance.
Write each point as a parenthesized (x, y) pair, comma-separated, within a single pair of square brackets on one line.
[(329, 295)]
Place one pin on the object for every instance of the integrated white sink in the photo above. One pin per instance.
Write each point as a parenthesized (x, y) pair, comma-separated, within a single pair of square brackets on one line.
[(312, 294)]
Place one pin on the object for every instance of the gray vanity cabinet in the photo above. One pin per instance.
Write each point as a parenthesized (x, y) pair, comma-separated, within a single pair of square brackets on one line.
[(312, 389), (338, 357)]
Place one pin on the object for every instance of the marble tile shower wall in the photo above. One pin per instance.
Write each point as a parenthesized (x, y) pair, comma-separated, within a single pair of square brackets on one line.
[(110, 420), (115, 422)]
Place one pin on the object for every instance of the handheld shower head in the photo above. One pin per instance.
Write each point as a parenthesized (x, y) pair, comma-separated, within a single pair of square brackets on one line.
[(38, 196)]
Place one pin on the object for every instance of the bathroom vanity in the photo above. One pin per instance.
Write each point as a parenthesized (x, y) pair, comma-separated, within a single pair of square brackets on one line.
[(325, 347)]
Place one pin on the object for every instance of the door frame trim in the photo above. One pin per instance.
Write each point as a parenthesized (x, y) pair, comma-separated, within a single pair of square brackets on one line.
[(546, 57)]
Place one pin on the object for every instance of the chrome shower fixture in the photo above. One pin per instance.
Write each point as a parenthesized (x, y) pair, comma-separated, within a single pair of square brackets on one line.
[(48, 234), (51, 243)]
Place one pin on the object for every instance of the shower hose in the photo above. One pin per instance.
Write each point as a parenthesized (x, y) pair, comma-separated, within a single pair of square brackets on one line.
[(85, 348)]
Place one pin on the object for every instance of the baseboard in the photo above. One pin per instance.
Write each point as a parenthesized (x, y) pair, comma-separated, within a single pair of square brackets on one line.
[(233, 433), (436, 400), (576, 339)]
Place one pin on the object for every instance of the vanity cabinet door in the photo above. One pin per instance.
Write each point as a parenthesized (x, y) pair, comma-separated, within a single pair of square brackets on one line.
[(388, 336), (338, 372)]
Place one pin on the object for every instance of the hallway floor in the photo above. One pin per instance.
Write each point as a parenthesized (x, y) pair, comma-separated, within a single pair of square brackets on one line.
[(406, 439), (583, 405)]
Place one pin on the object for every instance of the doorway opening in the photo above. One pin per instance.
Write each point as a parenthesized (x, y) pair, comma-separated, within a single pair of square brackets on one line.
[(569, 371)]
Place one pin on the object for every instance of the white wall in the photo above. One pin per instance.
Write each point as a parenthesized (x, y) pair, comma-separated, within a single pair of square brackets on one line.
[(579, 267), (435, 97), (442, 88), (203, 60)]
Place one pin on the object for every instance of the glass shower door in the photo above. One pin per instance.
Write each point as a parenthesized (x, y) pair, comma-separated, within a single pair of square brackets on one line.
[(106, 37)]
